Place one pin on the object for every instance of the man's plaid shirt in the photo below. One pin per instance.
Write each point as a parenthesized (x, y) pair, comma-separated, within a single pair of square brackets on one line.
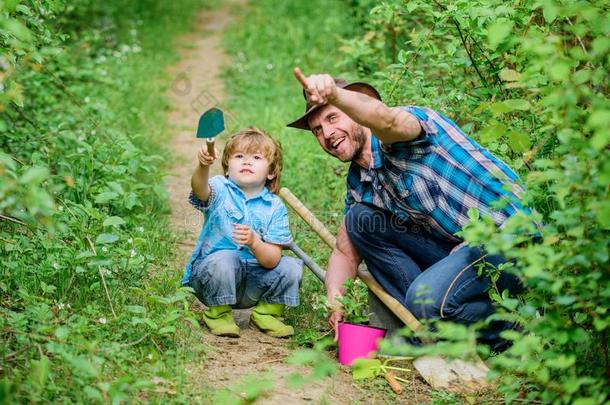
[(435, 179)]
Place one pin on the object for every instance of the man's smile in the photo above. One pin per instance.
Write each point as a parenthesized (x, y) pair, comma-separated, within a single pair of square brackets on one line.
[(335, 144)]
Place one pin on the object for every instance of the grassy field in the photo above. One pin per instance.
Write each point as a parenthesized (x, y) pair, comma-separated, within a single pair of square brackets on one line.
[(91, 309)]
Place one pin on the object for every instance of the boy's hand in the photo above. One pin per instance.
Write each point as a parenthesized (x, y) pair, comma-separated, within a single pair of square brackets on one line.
[(243, 235), (205, 159)]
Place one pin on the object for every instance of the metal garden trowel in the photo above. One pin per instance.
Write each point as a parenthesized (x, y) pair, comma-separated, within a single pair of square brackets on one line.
[(211, 123)]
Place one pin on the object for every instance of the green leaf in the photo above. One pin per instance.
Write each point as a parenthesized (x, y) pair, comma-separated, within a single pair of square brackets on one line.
[(602, 213), (599, 119), (365, 368), (82, 367), (136, 309), (517, 104), (549, 11), (20, 31), (519, 141), (106, 196), (39, 372), (34, 175), (114, 221), (509, 75), (562, 361), (106, 238), (167, 330), (498, 31), (492, 132)]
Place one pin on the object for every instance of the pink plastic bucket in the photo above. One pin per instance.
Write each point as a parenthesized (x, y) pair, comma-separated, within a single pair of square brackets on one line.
[(357, 341)]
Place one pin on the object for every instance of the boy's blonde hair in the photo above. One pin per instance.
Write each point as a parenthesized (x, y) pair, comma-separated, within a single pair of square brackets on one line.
[(253, 140)]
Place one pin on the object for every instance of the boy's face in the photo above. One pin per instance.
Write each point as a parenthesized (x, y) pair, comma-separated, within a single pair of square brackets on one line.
[(249, 170)]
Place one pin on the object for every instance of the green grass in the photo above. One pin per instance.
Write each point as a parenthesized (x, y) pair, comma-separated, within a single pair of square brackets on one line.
[(91, 309)]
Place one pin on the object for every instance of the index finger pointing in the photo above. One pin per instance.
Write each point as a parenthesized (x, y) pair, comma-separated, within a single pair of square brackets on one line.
[(300, 77)]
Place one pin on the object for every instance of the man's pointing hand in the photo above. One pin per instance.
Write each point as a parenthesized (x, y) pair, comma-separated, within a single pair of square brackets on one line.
[(320, 89)]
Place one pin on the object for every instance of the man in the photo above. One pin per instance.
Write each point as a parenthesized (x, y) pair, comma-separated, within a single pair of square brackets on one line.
[(413, 177)]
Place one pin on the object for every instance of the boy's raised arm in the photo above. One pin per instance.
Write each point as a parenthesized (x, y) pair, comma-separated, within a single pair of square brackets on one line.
[(199, 180)]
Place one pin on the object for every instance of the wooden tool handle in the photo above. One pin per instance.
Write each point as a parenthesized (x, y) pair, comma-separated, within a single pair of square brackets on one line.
[(394, 384), (393, 305), (210, 143), (308, 217)]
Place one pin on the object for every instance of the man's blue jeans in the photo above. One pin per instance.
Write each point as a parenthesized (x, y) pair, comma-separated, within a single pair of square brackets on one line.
[(223, 278), (418, 270)]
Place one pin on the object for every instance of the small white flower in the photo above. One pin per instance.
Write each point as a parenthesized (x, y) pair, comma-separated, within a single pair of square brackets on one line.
[(102, 321), (149, 356), (61, 305), (130, 241), (125, 48), (56, 265), (136, 49), (61, 208), (269, 66), (69, 306), (133, 252), (140, 229), (93, 132), (87, 99), (104, 249)]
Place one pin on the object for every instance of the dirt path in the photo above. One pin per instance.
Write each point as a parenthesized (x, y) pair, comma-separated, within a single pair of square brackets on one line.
[(196, 86)]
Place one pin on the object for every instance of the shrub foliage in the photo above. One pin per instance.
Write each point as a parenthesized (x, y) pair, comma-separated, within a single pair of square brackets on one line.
[(86, 315), (528, 79)]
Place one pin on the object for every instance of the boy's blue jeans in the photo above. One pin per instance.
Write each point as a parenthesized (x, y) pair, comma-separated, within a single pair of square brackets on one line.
[(223, 278), (418, 270)]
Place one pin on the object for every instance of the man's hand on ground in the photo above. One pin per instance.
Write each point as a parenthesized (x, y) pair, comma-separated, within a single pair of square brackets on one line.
[(333, 320), (321, 89)]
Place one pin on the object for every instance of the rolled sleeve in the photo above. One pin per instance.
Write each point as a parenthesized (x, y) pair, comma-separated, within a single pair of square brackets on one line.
[(278, 231), (216, 184)]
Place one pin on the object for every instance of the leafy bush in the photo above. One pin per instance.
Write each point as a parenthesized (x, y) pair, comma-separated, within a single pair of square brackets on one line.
[(529, 80), (89, 310)]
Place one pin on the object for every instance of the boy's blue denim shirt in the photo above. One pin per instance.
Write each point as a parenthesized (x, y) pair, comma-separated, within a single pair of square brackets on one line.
[(265, 213)]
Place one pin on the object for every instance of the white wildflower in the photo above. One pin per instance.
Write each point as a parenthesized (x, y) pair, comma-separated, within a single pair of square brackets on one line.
[(87, 99), (269, 66), (140, 229), (104, 249), (56, 265), (133, 252), (102, 320)]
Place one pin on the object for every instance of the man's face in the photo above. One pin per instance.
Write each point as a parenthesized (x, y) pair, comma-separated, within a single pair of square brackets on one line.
[(338, 134)]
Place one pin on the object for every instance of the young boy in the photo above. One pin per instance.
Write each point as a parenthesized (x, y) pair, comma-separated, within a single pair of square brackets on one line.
[(237, 261)]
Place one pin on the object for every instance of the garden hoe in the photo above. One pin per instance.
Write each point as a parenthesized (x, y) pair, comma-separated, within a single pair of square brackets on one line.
[(441, 373), (211, 123)]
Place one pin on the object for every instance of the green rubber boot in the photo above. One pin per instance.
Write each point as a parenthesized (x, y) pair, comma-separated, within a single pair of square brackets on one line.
[(220, 321), (266, 318)]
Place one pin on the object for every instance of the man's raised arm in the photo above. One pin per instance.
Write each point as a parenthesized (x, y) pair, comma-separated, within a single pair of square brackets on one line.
[(388, 124)]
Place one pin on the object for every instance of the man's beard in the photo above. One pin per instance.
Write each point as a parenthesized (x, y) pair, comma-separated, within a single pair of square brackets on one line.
[(358, 140)]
